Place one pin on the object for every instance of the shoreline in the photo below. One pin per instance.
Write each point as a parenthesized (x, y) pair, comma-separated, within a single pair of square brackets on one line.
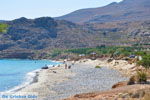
[(40, 79), (29, 78), (46, 81), (33, 75)]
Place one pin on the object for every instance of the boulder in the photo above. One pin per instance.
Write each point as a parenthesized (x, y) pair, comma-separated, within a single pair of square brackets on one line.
[(119, 84), (44, 67)]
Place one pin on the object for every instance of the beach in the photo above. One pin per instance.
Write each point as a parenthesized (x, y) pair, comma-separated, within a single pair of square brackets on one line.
[(123, 66), (120, 90), (57, 83)]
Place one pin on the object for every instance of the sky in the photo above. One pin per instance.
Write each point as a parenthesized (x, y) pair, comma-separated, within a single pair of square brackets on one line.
[(12, 9)]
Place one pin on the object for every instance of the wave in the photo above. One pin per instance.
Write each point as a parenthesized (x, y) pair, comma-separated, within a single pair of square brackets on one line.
[(30, 78)]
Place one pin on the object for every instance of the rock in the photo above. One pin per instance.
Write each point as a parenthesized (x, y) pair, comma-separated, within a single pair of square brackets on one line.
[(131, 80), (138, 94), (44, 68), (109, 60), (119, 84), (126, 95), (54, 72), (69, 67)]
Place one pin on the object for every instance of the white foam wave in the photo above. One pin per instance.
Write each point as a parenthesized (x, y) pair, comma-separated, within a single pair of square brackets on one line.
[(29, 78)]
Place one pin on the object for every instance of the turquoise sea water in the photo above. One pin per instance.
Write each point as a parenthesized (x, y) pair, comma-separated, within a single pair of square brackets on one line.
[(16, 72)]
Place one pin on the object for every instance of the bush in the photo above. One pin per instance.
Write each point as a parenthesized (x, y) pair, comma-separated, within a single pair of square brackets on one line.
[(56, 53), (3, 28), (145, 62), (141, 77), (98, 67)]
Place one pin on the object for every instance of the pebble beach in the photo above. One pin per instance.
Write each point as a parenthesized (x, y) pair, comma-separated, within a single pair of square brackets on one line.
[(58, 83)]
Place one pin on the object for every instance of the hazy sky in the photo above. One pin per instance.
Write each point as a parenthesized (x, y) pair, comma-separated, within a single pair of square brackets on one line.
[(12, 9)]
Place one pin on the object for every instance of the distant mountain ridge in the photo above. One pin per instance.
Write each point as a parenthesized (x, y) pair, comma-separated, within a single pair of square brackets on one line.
[(127, 10)]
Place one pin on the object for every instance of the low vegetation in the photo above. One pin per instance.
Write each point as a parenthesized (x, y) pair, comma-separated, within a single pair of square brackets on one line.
[(98, 67), (145, 62), (55, 53), (111, 51), (115, 50), (3, 28), (141, 77)]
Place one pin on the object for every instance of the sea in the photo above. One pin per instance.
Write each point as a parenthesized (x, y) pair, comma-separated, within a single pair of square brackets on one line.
[(16, 73)]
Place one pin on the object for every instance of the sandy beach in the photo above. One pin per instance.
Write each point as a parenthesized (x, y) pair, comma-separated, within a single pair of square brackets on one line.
[(57, 83)]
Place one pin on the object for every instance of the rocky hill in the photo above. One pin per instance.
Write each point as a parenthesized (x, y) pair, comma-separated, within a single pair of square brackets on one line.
[(126, 23), (41, 34), (46, 32), (27, 37), (127, 10)]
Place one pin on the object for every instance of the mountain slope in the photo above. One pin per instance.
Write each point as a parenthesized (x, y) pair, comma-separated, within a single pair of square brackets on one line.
[(125, 23), (27, 36), (127, 10), (45, 32)]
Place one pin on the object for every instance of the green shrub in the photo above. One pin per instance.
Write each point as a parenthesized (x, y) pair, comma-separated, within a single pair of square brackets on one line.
[(114, 51), (141, 77), (98, 67), (3, 28), (56, 53), (140, 53), (145, 62)]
